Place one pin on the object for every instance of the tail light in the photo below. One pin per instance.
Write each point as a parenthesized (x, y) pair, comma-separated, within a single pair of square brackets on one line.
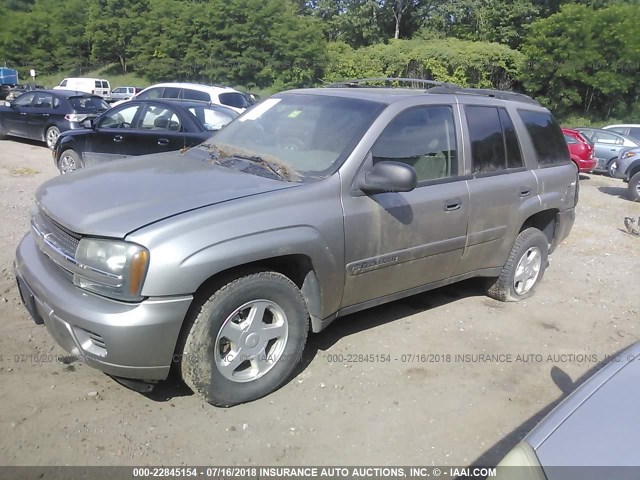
[(75, 117)]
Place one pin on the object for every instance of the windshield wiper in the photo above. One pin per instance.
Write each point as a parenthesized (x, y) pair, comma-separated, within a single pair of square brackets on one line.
[(261, 161)]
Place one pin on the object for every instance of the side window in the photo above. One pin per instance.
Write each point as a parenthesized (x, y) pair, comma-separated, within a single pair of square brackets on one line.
[(423, 137), (160, 118), (618, 130), (43, 100), (546, 136), (634, 132), (118, 90), (488, 153), (603, 137), (569, 139), (63, 83), (171, 92), (196, 95), (121, 118), (151, 94), (24, 100), (514, 154)]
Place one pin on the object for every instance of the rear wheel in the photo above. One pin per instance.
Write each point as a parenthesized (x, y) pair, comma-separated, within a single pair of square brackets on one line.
[(634, 187), (246, 339), (51, 136), (524, 269), (68, 162)]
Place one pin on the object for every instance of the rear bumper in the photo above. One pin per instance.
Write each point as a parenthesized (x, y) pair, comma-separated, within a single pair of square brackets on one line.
[(564, 224), (131, 340), (586, 166)]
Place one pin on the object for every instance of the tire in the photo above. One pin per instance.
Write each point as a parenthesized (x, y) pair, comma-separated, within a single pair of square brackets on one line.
[(609, 167), (634, 187), (68, 162), (522, 262), (223, 361), (51, 135)]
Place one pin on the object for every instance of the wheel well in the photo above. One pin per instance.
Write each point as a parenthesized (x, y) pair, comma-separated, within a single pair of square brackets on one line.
[(633, 170), (544, 221)]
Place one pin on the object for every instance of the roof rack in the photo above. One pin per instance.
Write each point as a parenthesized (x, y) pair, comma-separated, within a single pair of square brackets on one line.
[(487, 92), (361, 82)]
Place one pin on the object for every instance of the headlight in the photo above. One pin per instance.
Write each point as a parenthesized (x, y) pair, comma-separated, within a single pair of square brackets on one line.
[(521, 463), (111, 268), (628, 154)]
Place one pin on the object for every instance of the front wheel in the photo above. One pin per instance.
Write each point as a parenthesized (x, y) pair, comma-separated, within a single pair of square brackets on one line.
[(246, 339), (69, 161), (524, 269), (51, 136), (634, 187), (610, 168)]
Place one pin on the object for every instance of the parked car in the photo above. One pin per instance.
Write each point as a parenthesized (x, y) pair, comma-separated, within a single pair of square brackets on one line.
[(5, 90), (569, 443), (192, 91), (627, 168), (94, 86), (124, 93), (629, 129), (18, 90), (314, 204), (139, 127), (608, 144), (43, 114), (582, 151)]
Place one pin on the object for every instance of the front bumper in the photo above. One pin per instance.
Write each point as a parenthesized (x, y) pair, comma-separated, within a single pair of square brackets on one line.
[(130, 340)]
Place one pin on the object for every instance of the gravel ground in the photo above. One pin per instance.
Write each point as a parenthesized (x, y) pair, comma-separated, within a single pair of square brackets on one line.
[(439, 408)]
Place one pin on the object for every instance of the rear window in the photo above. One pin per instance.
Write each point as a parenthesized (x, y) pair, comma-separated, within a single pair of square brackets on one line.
[(98, 84), (634, 132), (105, 85), (546, 136), (569, 139), (88, 104), (234, 99)]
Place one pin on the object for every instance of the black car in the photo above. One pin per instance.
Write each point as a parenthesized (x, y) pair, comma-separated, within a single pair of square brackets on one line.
[(140, 127), (43, 114), (18, 90), (4, 91)]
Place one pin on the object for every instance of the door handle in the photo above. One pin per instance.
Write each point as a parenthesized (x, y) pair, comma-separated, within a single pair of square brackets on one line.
[(525, 192), (117, 138), (23, 113), (452, 204), (163, 142), (44, 114)]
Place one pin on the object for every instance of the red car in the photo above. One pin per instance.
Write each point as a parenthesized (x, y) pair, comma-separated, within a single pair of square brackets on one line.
[(582, 150)]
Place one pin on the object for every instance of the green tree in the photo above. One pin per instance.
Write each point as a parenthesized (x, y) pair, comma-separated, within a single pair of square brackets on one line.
[(111, 27), (582, 60)]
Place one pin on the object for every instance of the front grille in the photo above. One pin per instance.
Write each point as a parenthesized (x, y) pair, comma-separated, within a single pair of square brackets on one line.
[(96, 339), (61, 237)]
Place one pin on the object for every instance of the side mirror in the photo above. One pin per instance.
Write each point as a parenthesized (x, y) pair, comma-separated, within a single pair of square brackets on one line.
[(88, 123), (389, 176)]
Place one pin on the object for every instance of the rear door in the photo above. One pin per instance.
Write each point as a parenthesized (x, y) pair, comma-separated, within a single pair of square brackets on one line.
[(501, 188), (160, 129), (39, 115), (15, 119)]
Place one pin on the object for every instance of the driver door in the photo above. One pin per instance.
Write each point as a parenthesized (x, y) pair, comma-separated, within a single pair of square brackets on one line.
[(113, 135), (396, 242), (16, 117)]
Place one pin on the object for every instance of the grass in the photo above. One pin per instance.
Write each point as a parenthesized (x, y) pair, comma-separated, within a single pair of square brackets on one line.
[(109, 72)]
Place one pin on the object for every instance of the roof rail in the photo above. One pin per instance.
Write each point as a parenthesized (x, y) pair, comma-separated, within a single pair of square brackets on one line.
[(487, 92), (358, 82)]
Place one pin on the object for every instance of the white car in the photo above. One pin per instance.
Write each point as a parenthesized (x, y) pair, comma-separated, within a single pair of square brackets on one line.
[(193, 91), (629, 129), (93, 86), (124, 93)]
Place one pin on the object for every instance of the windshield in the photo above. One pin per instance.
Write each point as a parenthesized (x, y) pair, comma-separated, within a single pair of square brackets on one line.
[(310, 135), (88, 104)]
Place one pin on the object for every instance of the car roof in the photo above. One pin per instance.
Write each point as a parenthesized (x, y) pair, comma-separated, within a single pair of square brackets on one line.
[(195, 86), (621, 125), (591, 129), (389, 95), (69, 93)]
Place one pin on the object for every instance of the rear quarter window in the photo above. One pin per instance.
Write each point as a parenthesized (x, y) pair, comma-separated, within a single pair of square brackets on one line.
[(546, 136), (234, 99)]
